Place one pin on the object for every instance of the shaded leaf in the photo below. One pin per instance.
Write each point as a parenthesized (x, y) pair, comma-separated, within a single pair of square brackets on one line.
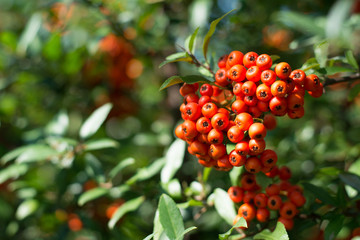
[(211, 32), (174, 159), (206, 174), (320, 193), (170, 217), (334, 226), (311, 63), (240, 223), (188, 79), (26, 208), (274, 57), (147, 172), (120, 166), (36, 153), (100, 144), (278, 234), (351, 59), (128, 206), (52, 48), (94, 168), (338, 13), (350, 179), (234, 175), (96, 119), (354, 91), (224, 205), (185, 232), (92, 194), (337, 69), (176, 57), (17, 152)]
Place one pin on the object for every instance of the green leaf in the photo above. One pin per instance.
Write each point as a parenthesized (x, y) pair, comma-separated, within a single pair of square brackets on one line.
[(120, 166), (206, 174), (224, 205), (174, 159), (128, 206), (311, 63), (211, 32), (240, 223), (26, 208), (58, 125), (278, 234), (52, 48), (36, 153), (185, 232), (354, 91), (13, 171), (29, 34), (350, 59), (96, 119), (188, 79), (94, 168), (147, 172), (350, 179), (173, 187), (170, 217), (158, 229), (17, 152), (191, 40), (176, 57), (321, 53), (150, 236), (337, 69), (92, 194), (320, 193), (338, 13), (334, 226), (100, 144), (234, 175), (274, 57)]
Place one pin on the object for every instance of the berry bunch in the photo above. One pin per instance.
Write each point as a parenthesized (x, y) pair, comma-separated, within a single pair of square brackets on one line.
[(239, 108), (282, 198)]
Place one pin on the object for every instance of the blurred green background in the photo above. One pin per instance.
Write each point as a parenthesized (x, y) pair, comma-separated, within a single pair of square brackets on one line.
[(61, 60)]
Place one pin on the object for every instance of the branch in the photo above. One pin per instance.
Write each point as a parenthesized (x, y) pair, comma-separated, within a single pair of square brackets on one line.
[(332, 81)]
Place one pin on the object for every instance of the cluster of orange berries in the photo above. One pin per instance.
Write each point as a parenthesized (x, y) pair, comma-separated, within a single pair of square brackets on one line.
[(233, 110), (282, 198)]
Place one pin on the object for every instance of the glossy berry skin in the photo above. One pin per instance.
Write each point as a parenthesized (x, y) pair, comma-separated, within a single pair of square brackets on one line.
[(186, 88), (297, 198), (250, 101), (253, 74), (288, 210), (222, 61), (192, 111), (260, 200), (206, 90), (247, 211), (278, 106), (234, 134), (253, 165), (262, 214), (237, 73), (219, 121), (215, 136), (312, 82), (274, 202), (295, 101), (216, 151), (199, 148), (264, 62), (283, 70), (239, 106), (284, 173), (256, 146), (248, 182), (268, 158), (298, 76), (272, 189), (270, 121), (189, 129), (242, 148), (248, 88), (203, 125), (268, 77), (236, 194), (235, 57), (288, 223), (257, 131), (263, 93), (221, 78), (236, 159), (223, 162), (250, 59), (279, 89), (243, 121), (209, 110)]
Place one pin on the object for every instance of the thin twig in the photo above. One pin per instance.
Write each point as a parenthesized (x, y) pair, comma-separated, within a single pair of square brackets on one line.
[(332, 81)]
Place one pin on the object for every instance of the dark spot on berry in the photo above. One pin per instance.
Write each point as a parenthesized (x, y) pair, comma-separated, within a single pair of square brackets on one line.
[(278, 108), (258, 136), (297, 105), (205, 124), (263, 94), (233, 159), (289, 212), (220, 122), (245, 213), (285, 69), (249, 181), (252, 58), (235, 193), (251, 70), (270, 161), (297, 75), (273, 202), (267, 75), (188, 112), (246, 90), (252, 170), (234, 73), (280, 89)]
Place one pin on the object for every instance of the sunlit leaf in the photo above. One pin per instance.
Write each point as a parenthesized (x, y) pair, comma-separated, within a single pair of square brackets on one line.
[(17, 152), (32, 27), (190, 41), (36, 153), (92, 194), (211, 32), (321, 53), (351, 59), (58, 125), (147, 172), (278, 234), (120, 166), (174, 159), (176, 57), (188, 79), (173, 187), (180, 237), (240, 223), (96, 119), (170, 217), (13, 171), (52, 48), (100, 144), (224, 205), (338, 13), (26, 208), (128, 206), (234, 175)]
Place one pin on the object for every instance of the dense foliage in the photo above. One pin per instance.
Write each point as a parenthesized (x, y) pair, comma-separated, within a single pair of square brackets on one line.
[(88, 141)]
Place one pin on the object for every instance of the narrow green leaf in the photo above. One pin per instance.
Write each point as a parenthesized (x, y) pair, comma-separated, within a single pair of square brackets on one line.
[(170, 217), (128, 206), (350, 179), (320, 193), (147, 172), (240, 223), (278, 234), (185, 232), (100, 144), (58, 125), (274, 57), (26, 208), (337, 15), (188, 79), (32, 27), (52, 48), (96, 119), (205, 72), (158, 229), (92, 194), (211, 32), (174, 159), (351, 59), (94, 167), (17, 152), (334, 226), (321, 53), (150, 236), (191, 40), (13, 171), (354, 91), (337, 69), (206, 174), (36, 153), (224, 205), (234, 175), (176, 57), (120, 166)]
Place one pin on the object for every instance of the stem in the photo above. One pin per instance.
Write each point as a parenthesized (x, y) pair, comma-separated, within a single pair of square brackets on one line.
[(332, 81)]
